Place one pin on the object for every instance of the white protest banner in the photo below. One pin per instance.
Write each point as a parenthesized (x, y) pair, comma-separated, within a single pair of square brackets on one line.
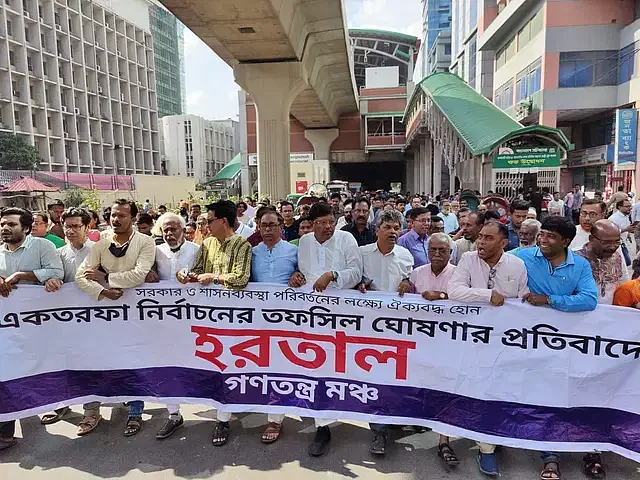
[(514, 375)]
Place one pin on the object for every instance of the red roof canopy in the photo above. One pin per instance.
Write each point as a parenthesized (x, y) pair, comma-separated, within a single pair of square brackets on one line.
[(27, 184)]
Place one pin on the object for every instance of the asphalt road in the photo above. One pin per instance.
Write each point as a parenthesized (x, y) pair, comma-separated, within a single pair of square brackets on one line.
[(55, 452)]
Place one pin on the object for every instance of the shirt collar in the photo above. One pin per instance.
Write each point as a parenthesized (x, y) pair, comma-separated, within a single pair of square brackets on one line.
[(27, 241), (392, 252), (569, 261), (416, 237)]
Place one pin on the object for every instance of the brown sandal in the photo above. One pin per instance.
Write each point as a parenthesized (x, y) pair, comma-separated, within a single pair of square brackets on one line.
[(272, 433), (88, 424), (133, 426)]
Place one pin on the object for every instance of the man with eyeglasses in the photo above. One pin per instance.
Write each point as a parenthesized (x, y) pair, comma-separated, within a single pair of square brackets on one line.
[(590, 212), (489, 275), (75, 224), (223, 259), (326, 257), (274, 260), (621, 218), (415, 240), (561, 280), (603, 253)]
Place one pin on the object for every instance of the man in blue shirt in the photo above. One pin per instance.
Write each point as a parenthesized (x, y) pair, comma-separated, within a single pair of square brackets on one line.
[(561, 280), (519, 209), (273, 261), (415, 240)]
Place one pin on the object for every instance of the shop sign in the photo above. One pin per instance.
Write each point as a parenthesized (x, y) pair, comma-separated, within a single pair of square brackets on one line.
[(293, 158), (625, 153), (527, 157)]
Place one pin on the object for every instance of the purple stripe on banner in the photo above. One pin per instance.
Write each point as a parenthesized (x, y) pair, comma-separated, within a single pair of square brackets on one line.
[(503, 419)]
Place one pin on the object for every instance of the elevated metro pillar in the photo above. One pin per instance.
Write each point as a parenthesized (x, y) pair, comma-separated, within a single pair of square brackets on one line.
[(437, 170), (273, 87), (321, 139)]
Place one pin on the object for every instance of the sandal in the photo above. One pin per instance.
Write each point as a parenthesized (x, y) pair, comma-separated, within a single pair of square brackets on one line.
[(88, 424), (446, 453), (592, 466), (220, 433), (134, 425), (551, 473), (51, 418), (272, 433)]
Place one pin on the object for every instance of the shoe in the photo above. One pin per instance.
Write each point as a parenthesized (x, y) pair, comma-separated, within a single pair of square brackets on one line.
[(488, 464), (378, 444), (320, 442), (169, 427)]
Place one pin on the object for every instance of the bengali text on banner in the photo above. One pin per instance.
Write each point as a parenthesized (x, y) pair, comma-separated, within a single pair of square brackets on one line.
[(514, 375)]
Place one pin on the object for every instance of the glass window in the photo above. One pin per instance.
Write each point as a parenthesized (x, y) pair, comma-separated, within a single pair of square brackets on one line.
[(472, 61), (627, 63), (529, 80), (536, 24), (585, 69)]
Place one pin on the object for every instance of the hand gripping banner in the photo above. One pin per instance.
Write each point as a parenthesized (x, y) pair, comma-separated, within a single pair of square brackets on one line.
[(514, 375)]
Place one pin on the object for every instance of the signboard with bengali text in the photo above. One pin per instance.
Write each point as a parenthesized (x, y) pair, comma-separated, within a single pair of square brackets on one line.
[(527, 157)]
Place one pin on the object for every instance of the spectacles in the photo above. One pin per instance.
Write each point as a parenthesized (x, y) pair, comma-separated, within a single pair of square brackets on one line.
[(613, 243), (72, 227), (269, 226), (422, 220), (590, 214), (326, 223), (492, 274)]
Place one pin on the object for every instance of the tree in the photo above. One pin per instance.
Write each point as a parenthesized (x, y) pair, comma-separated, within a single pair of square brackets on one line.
[(17, 154)]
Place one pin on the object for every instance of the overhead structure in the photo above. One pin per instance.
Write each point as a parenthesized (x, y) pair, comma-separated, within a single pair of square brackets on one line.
[(291, 56), (381, 48), (457, 132)]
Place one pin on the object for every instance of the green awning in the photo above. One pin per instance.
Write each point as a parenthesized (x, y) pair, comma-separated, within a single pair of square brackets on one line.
[(479, 123), (230, 171)]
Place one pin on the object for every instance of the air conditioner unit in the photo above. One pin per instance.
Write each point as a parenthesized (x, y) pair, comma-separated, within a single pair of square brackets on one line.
[(120, 54), (30, 68), (99, 89), (66, 134), (41, 20), (76, 111), (26, 13), (140, 83), (16, 93), (122, 97), (64, 108), (107, 24), (59, 27)]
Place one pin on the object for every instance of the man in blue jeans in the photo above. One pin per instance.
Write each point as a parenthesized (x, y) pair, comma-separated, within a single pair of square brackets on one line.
[(563, 281)]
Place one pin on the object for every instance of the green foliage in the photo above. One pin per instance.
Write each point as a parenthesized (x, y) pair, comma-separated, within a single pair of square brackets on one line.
[(17, 154), (83, 197)]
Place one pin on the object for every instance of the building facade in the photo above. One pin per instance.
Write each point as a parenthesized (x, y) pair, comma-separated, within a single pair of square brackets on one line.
[(168, 41), (439, 58), (558, 69), (196, 147), (77, 81), (436, 18)]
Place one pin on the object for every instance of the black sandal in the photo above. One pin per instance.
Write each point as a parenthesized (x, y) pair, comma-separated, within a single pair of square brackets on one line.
[(133, 426), (446, 453), (551, 473), (220, 433), (592, 466)]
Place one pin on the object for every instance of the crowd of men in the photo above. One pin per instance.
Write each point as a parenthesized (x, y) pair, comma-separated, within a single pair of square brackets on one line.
[(436, 248)]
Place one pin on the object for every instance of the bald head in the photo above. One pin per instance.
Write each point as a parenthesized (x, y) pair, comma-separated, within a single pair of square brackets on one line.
[(604, 238)]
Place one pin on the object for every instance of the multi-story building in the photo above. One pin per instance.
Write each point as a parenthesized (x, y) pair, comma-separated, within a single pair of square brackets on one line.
[(168, 41), (436, 17), (196, 147), (440, 54), (558, 68), (77, 80)]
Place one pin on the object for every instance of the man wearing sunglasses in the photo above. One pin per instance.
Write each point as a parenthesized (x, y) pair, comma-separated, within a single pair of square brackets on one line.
[(489, 275)]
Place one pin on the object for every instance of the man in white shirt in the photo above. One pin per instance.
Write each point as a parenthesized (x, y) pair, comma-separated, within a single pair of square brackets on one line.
[(243, 229), (557, 202), (621, 218), (470, 226), (328, 257), (590, 212), (489, 275), (386, 267), (75, 225), (121, 259), (449, 218), (172, 256)]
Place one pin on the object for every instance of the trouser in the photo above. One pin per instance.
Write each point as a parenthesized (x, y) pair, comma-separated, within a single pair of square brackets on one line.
[(135, 408), (379, 429), (223, 416), (7, 429), (174, 410), (486, 448), (91, 409), (548, 457), (275, 417)]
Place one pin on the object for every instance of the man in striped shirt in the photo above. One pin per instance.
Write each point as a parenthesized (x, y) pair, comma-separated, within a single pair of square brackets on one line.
[(224, 259)]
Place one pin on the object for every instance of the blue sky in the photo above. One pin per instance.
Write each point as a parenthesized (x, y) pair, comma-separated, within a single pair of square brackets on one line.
[(211, 91)]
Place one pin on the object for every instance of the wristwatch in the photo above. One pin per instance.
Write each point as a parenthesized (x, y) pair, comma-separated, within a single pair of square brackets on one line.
[(443, 295), (548, 300), (335, 276), (216, 280)]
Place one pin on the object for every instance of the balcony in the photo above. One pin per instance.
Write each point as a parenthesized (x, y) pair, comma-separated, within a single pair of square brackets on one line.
[(590, 156)]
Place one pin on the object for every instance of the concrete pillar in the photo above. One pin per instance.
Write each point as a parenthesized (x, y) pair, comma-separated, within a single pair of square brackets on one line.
[(452, 180), (416, 170), (420, 185), (437, 169), (321, 139), (273, 87), (428, 145), (408, 175)]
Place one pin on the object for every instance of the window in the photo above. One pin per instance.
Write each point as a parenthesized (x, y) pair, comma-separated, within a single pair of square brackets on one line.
[(503, 97), (447, 49), (12, 58), (586, 69), (9, 28), (626, 62), (26, 35), (529, 80), (472, 61)]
